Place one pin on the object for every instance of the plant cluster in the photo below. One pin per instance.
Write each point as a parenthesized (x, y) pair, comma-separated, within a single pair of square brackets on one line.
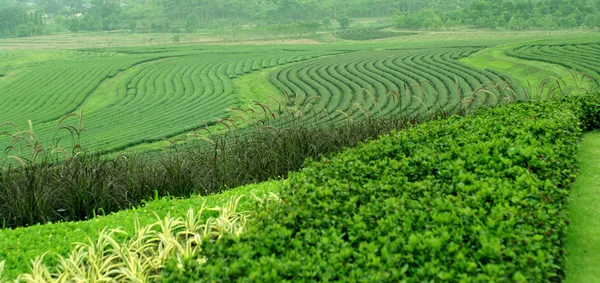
[(479, 198), (17, 21), (49, 92), (19, 246), (361, 34), (142, 256)]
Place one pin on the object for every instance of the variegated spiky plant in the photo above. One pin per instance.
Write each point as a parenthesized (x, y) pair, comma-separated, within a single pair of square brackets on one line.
[(2, 278), (143, 256)]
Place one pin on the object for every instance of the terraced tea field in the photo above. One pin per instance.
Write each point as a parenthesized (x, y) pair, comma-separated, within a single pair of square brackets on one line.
[(133, 96), (361, 34), (429, 78), (584, 57)]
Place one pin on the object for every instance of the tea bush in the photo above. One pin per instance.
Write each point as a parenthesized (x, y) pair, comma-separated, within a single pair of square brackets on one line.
[(467, 198)]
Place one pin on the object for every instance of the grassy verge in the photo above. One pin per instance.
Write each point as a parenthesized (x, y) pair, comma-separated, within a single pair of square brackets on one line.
[(19, 246), (256, 86), (583, 238)]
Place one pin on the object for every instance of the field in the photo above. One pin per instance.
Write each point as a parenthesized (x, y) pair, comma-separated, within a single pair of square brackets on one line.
[(157, 79), (118, 95), (360, 34), (148, 94)]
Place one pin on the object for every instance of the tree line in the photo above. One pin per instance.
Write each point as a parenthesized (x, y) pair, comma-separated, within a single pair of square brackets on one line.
[(17, 17), (21, 22), (188, 15), (509, 14)]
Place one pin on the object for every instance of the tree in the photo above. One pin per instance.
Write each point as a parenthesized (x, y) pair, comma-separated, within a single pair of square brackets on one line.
[(344, 21), (592, 20), (514, 23), (399, 19), (192, 22), (430, 18), (74, 24), (570, 21), (102, 15)]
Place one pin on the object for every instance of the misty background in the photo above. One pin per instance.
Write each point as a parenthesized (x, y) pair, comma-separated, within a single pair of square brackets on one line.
[(21, 18)]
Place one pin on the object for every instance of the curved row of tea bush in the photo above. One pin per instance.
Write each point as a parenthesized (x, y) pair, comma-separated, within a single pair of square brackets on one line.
[(184, 86), (49, 92), (361, 34), (584, 57), (171, 96), (478, 198), (392, 81)]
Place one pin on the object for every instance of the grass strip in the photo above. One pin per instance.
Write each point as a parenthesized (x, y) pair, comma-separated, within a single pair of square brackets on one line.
[(583, 236), (19, 246)]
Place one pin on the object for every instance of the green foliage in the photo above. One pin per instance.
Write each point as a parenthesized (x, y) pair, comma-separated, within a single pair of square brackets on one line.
[(192, 86), (17, 21), (589, 115), (369, 34), (344, 21), (362, 94), (18, 247), (192, 23), (394, 82), (83, 186), (474, 198), (425, 18), (582, 58), (545, 14), (141, 258), (134, 96)]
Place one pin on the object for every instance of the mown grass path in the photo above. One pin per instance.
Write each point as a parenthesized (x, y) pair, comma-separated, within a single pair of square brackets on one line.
[(583, 240)]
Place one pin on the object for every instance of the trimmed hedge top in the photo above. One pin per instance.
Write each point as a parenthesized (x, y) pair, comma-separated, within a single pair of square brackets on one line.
[(477, 198)]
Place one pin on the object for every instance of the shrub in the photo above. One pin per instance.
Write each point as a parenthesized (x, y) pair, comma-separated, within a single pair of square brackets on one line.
[(475, 198)]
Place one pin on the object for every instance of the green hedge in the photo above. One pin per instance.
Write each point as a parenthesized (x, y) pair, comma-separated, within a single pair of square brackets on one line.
[(477, 198)]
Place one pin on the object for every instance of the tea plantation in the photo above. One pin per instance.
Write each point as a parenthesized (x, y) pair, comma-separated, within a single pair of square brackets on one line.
[(136, 96), (374, 162)]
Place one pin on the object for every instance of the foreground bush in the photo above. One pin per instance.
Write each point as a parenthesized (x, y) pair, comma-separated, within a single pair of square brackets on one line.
[(478, 198), (20, 246)]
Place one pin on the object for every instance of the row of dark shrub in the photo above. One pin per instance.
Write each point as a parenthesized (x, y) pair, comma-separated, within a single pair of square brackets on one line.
[(475, 198)]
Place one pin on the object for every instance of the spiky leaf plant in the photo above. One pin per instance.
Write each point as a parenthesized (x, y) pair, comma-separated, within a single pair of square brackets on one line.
[(2, 279), (143, 256)]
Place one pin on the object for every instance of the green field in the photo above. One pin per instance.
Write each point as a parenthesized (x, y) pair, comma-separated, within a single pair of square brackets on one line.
[(133, 98)]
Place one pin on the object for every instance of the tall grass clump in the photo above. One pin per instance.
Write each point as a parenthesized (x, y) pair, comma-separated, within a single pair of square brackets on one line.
[(40, 185)]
